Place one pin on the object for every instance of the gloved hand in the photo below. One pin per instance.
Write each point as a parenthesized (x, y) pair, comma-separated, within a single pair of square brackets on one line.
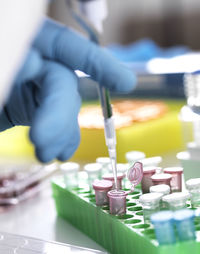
[(45, 95)]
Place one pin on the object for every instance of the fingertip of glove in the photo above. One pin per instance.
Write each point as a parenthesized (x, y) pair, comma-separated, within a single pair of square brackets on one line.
[(127, 82)]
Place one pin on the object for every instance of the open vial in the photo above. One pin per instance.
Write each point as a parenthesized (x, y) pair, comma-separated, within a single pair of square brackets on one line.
[(193, 186), (101, 188), (146, 180), (176, 181), (150, 203), (161, 178), (176, 201), (70, 172), (184, 221), (105, 163), (117, 198), (93, 172), (164, 227), (151, 161), (110, 177)]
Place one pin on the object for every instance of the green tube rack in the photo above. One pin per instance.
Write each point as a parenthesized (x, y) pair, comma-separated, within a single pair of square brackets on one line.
[(125, 234)]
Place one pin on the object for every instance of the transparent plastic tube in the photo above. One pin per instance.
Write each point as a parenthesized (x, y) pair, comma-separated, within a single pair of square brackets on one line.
[(117, 202), (101, 188), (184, 220), (164, 227)]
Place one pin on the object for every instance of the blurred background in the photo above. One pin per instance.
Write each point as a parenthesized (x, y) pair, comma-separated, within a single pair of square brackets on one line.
[(168, 23)]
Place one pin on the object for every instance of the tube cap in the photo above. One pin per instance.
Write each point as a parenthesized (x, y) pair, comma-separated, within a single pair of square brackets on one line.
[(68, 167), (177, 196), (150, 197), (172, 170), (183, 214), (102, 185), (135, 156), (193, 183), (135, 173), (162, 176), (160, 188), (110, 176), (91, 168)]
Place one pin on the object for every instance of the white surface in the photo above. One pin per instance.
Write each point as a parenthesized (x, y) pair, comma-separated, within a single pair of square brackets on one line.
[(37, 218)]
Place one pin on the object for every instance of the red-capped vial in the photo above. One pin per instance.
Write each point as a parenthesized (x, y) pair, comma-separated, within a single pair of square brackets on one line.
[(146, 180), (117, 202), (162, 178), (176, 181), (101, 188), (110, 177)]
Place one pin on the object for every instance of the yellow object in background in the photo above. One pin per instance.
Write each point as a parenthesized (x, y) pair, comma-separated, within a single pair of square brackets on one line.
[(154, 137)]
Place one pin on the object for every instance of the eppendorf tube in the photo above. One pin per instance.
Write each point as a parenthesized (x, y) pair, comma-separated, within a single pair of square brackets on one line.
[(92, 170), (70, 172), (101, 188), (176, 181), (151, 204), (164, 227), (117, 202), (176, 201), (184, 220), (105, 163), (162, 178), (110, 177), (193, 186), (146, 180)]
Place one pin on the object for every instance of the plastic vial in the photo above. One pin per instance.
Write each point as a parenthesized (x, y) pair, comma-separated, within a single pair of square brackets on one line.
[(146, 180), (163, 189), (101, 188), (176, 201), (150, 203), (92, 170), (176, 182), (193, 186), (105, 163), (110, 177), (134, 156), (117, 201), (162, 178), (184, 221), (70, 172), (164, 227)]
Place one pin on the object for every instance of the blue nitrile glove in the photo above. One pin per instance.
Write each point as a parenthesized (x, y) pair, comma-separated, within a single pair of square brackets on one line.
[(45, 95)]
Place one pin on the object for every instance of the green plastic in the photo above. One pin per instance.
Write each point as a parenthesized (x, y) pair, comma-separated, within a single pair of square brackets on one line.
[(124, 234)]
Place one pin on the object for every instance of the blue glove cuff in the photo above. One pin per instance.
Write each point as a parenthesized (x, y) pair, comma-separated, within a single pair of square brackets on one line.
[(5, 122)]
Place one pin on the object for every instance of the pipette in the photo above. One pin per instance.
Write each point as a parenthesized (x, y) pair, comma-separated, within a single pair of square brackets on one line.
[(109, 128)]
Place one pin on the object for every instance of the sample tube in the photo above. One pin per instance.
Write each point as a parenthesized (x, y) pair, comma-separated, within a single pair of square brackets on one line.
[(193, 186), (146, 180), (70, 172), (164, 227), (110, 177), (163, 189), (176, 181), (150, 203), (92, 170), (105, 163), (176, 201), (101, 188), (134, 156), (161, 178), (117, 202), (184, 221)]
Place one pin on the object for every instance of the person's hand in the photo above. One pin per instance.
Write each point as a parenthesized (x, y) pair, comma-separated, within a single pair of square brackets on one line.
[(45, 95)]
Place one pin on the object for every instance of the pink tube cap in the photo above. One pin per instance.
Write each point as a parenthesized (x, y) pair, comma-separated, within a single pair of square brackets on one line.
[(102, 184), (135, 173)]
